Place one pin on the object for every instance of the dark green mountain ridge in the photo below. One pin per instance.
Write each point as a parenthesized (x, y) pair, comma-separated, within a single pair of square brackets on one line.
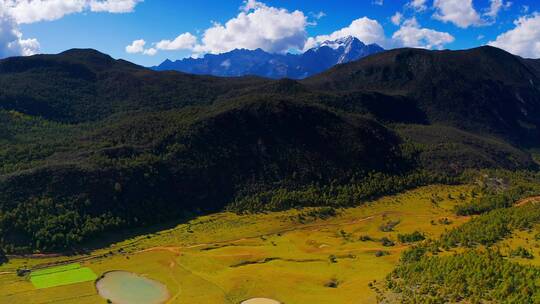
[(485, 90), (92, 144)]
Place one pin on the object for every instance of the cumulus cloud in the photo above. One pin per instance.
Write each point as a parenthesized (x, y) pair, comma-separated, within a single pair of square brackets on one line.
[(138, 47), (257, 25), (30, 11), (412, 35), (459, 12), (278, 30), (275, 30), (185, 41), (16, 12), (396, 19), (11, 39), (365, 29), (150, 52), (523, 39), (378, 2), (113, 6)]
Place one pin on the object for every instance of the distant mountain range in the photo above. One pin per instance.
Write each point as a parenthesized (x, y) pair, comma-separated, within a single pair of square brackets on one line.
[(242, 62)]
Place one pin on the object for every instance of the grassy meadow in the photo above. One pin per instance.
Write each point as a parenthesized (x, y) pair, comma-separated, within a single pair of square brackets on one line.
[(290, 256)]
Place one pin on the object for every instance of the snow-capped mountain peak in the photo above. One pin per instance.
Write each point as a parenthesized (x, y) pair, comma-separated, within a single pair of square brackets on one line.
[(344, 42), (261, 63)]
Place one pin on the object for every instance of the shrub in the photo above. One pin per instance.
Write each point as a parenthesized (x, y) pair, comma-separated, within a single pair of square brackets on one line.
[(389, 226), (380, 253), (411, 238), (386, 242)]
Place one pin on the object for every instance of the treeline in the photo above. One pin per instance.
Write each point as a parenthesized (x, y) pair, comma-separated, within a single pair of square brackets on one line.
[(3, 258), (338, 195), (52, 226), (500, 189)]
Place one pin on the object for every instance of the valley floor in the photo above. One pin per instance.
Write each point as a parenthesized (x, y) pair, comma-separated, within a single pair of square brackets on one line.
[(289, 256)]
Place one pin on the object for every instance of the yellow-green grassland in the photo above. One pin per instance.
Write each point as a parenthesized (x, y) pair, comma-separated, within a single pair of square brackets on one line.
[(288, 256)]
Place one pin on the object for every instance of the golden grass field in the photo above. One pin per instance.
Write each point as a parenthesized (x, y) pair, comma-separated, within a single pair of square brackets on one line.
[(228, 258)]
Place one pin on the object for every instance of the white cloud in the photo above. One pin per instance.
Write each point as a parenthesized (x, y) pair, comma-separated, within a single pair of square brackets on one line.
[(397, 18), (418, 5), (378, 2), (113, 6), (137, 46), (274, 30), (365, 29), (459, 12), (523, 39), (495, 7), (11, 39), (150, 52), (412, 35), (257, 26), (30, 11), (185, 41)]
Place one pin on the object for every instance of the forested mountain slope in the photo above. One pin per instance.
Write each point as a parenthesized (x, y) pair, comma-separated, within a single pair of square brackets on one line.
[(92, 144), (485, 90)]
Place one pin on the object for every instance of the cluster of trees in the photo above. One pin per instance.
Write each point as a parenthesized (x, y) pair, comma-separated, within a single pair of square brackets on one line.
[(389, 226), (52, 226), (338, 195), (491, 227), (322, 213), (416, 236), (474, 276), (501, 189), (522, 253), (478, 274)]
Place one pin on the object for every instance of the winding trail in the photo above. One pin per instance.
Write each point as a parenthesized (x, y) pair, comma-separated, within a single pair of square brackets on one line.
[(315, 227), (532, 199)]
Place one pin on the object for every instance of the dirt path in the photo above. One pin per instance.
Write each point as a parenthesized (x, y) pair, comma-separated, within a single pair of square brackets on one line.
[(315, 227), (178, 285), (178, 249), (532, 199)]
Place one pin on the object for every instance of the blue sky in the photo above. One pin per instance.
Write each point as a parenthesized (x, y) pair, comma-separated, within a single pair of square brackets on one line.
[(108, 28)]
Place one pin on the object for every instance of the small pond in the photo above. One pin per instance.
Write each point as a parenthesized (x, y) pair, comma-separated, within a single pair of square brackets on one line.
[(122, 287)]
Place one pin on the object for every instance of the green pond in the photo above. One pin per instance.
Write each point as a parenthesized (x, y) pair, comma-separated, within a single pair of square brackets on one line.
[(122, 287)]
